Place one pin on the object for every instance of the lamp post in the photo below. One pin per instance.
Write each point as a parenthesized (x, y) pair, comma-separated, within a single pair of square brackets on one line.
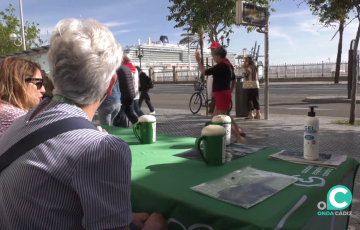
[(22, 26), (222, 42), (13, 37), (140, 54), (265, 31)]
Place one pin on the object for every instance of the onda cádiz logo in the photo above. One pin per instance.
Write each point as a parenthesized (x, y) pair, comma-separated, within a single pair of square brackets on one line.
[(338, 198)]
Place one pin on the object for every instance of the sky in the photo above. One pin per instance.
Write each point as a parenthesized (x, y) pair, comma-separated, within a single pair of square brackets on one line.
[(294, 34)]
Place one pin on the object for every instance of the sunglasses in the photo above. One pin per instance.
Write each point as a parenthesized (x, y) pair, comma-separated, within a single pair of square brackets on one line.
[(36, 81)]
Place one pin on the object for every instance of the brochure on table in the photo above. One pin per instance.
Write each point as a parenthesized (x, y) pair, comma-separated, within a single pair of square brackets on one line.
[(325, 160), (246, 187)]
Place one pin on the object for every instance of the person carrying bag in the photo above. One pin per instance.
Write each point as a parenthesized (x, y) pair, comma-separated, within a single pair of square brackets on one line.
[(145, 85), (251, 83)]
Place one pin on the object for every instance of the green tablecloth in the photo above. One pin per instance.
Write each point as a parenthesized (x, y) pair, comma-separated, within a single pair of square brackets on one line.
[(161, 183)]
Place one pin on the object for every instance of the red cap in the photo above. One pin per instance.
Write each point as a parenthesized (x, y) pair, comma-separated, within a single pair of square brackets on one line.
[(214, 45)]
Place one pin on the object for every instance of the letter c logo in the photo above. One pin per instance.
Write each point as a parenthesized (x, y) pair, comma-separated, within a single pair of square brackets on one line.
[(339, 197), (332, 197)]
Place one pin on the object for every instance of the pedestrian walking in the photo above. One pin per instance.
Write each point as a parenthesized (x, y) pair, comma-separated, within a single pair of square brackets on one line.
[(251, 82), (145, 85), (135, 74), (126, 85), (209, 82), (110, 107), (221, 73), (212, 110)]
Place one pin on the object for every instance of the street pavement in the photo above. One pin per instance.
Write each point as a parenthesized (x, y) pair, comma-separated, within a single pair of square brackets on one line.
[(285, 98)]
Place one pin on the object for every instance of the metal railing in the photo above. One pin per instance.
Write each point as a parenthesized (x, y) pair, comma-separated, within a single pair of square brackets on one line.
[(307, 70), (315, 70), (163, 76), (185, 75), (182, 75)]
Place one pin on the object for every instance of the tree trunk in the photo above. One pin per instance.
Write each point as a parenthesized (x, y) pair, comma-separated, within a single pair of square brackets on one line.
[(188, 35), (202, 57), (354, 78), (211, 35), (339, 52)]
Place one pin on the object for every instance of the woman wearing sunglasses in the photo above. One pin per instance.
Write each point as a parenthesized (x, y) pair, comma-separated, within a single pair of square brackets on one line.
[(21, 89)]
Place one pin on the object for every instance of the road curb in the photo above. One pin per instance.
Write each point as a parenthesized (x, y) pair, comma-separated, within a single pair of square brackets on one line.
[(329, 100)]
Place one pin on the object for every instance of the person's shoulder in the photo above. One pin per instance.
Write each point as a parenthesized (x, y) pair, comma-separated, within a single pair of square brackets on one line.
[(222, 65), (123, 70), (109, 144), (107, 149), (7, 109), (232, 67)]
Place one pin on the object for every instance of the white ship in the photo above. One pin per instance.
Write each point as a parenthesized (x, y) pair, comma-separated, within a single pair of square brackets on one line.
[(163, 55), (160, 55)]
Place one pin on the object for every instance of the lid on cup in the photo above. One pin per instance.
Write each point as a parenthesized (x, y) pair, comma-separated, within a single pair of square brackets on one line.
[(213, 130), (147, 118), (221, 118)]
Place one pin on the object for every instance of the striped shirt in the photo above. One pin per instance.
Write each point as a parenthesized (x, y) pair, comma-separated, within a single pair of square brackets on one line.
[(78, 180)]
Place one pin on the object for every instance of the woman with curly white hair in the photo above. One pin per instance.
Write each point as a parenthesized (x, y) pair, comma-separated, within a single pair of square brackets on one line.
[(57, 170)]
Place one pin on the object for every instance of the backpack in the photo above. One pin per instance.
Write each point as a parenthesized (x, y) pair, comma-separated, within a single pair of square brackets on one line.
[(151, 84)]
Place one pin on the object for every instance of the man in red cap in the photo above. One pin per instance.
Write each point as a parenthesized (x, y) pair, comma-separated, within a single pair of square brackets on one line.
[(213, 46)]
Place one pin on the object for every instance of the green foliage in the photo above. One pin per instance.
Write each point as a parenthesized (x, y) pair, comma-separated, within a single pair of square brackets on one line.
[(194, 38), (213, 15), (339, 10), (189, 37), (329, 11), (9, 23)]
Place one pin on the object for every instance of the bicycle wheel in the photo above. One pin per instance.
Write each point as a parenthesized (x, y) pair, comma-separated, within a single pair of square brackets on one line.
[(195, 103)]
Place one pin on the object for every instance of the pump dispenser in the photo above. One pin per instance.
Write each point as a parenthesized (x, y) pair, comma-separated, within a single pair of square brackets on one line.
[(311, 136)]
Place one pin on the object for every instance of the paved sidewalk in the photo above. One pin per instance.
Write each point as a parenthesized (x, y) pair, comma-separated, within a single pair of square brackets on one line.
[(330, 99), (273, 83), (280, 131)]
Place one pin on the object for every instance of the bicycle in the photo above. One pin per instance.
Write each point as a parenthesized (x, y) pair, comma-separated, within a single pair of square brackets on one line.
[(196, 100)]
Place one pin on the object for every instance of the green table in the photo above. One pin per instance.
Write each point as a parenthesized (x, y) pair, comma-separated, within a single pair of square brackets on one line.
[(161, 183)]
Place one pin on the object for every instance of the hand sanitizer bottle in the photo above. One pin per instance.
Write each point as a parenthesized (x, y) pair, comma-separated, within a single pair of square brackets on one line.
[(311, 136)]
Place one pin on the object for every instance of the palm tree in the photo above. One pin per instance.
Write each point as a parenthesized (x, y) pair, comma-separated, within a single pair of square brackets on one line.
[(186, 39), (194, 38), (342, 21)]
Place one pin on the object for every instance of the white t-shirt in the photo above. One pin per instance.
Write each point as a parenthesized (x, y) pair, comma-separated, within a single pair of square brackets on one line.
[(136, 85), (209, 85)]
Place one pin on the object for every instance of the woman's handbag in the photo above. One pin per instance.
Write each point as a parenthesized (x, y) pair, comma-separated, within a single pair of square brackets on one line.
[(250, 84)]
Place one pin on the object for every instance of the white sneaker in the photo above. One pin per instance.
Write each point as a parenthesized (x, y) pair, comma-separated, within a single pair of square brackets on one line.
[(152, 113)]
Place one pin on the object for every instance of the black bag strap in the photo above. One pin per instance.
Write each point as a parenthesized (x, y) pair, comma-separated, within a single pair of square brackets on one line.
[(40, 136)]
